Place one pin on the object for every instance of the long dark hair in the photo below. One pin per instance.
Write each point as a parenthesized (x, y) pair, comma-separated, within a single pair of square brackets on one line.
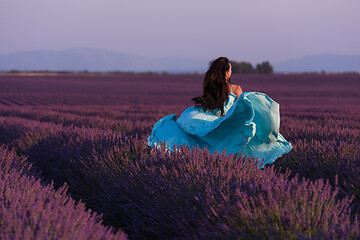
[(215, 86)]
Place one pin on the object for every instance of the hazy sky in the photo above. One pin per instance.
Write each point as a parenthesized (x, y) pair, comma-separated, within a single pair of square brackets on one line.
[(244, 30)]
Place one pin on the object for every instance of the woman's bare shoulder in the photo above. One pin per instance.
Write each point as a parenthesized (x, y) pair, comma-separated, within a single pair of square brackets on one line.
[(237, 90)]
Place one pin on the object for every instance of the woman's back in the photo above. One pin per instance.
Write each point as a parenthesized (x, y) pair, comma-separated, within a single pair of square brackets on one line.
[(236, 90)]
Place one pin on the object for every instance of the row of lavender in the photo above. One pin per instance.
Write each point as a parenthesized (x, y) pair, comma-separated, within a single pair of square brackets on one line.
[(31, 210), (115, 90), (325, 139), (100, 152)]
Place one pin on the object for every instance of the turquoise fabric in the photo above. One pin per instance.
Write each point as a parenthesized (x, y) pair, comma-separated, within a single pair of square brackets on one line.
[(250, 127)]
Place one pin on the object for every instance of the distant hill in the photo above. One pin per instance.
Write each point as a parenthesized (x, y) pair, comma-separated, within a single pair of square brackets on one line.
[(318, 63), (81, 59)]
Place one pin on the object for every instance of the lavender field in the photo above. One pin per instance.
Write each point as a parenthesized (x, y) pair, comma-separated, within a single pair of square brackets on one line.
[(74, 162)]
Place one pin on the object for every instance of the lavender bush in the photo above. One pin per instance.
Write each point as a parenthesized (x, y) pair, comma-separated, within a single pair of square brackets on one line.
[(326, 144), (9, 160), (195, 195), (29, 210)]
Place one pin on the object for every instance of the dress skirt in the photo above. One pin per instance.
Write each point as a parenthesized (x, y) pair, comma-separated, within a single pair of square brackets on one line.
[(250, 127)]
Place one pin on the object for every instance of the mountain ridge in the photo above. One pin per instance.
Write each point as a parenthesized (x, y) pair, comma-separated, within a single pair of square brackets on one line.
[(323, 62), (80, 59), (89, 59)]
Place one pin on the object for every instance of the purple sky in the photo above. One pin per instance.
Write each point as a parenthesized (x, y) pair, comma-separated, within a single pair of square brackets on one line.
[(252, 30)]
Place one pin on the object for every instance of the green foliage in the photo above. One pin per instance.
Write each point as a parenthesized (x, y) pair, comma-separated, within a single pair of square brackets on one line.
[(264, 68), (247, 68), (242, 67)]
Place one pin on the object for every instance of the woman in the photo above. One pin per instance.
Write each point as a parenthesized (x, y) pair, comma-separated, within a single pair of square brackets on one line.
[(224, 117)]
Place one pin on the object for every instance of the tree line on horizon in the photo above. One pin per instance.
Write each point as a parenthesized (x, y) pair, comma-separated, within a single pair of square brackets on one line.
[(247, 68)]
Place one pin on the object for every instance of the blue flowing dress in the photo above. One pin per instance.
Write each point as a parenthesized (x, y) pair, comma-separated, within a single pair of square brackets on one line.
[(250, 127)]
